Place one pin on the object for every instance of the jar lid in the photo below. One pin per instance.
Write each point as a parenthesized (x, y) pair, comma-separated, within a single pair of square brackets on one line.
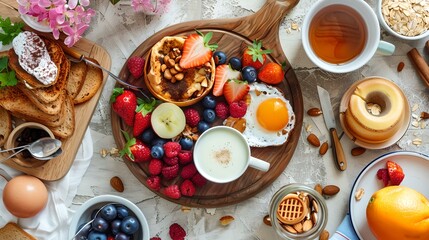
[(291, 209)]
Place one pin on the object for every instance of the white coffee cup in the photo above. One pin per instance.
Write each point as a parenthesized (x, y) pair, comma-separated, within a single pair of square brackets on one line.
[(372, 45), (222, 154)]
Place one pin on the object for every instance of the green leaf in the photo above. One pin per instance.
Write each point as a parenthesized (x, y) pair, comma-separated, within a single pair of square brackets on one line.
[(116, 92), (114, 1), (11, 30), (3, 63)]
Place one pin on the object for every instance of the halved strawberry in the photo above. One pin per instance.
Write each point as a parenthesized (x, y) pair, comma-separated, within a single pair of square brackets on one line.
[(224, 73), (143, 114), (197, 50), (235, 90), (254, 55), (396, 174)]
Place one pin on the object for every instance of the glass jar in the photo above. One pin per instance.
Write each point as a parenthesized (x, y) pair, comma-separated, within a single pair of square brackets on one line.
[(314, 204)]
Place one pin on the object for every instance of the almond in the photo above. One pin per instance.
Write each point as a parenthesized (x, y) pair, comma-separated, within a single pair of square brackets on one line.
[(424, 115), (401, 66), (267, 220), (225, 220), (314, 112), (323, 148), (324, 235), (313, 140), (117, 184), (318, 188), (330, 190), (358, 151)]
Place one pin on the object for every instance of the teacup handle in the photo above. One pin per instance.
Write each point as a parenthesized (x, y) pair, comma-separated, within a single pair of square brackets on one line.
[(259, 164), (385, 48)]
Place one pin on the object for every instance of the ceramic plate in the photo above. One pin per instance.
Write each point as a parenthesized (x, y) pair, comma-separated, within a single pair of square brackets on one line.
[(416, 168)]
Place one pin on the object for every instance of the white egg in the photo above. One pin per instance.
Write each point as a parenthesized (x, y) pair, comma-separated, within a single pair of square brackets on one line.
[(269, 117)]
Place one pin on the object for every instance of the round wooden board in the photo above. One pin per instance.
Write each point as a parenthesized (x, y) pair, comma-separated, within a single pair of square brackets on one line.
[(232, 36)]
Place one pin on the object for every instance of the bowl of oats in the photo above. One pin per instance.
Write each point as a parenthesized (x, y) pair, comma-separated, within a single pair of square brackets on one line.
[(405, 19)]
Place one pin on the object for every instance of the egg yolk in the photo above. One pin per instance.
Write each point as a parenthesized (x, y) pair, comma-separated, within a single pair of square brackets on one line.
[(272, 114)]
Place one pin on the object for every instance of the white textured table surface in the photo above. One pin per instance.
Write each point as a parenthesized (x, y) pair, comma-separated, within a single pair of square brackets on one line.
[(120, 31)]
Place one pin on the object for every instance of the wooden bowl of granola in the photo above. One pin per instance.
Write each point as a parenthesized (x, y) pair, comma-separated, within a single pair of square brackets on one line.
[(167, 81)]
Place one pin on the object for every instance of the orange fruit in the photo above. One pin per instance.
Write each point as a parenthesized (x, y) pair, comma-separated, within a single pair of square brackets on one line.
[(398, 213)]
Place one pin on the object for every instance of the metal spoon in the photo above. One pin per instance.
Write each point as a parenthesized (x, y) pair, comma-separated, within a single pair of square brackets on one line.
[(40, 148), (53, 155)]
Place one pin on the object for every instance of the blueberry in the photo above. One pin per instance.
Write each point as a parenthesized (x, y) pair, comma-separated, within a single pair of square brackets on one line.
[(108, 212), (209, 102), (148, 135), (158, 141), (209, 115), (100, 224), (129, 225), (122, 236), (219, 57), (202, 126), (249, 74), (115, 226), (122, 211), (94, 235), (157, 151), (235, 63), (83, 231), (186, 143)]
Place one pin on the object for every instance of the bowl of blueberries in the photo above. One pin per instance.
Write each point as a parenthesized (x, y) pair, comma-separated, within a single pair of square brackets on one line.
[(108, 217)]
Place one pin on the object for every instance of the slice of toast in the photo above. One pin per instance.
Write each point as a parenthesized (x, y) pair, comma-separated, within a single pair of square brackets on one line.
[(5, 125), (93, 81), (12, 231), (77, 77), (66, 129), (51, 108)]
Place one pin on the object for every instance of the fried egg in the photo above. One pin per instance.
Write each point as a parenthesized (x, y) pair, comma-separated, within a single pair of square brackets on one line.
[(269, 117)]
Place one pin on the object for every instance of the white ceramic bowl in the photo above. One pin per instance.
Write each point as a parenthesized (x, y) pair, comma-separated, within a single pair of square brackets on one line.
[(83, 214), (34, 24)]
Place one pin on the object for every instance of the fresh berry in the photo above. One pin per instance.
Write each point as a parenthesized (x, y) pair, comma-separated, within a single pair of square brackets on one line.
[(135, 66), (203, 126), (172, 191), (171, 149), (249, 74), (142, 118), (155, 167), (192, 117), (222, 110), (135, 150), (197, 50), (209, 102), (185, 157), (199, 180), (154, 182), (271, 73), (209, 115), (219, 57), (158, 141), (177, 232), (170, 172), (235, 63), (254, 55), (124, 103), (383, 175), (148, 135), (171, 161), (223, 74), (187, 188), (396, 174), (186, 143), (155, 238), (235, 90), (238, 109), (110, 238), (188, 171), (157, 151)]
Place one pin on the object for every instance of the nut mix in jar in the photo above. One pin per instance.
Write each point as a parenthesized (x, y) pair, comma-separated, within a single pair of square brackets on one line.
[(298, 211)]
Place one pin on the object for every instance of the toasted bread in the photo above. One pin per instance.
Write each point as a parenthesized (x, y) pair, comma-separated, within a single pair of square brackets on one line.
[(51, 108), (66, 129), (93, 81), (5, 125), (12, 231), (76, 79)]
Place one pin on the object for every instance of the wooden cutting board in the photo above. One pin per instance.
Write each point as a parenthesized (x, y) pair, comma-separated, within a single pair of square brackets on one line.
[(233, 36), (58, 167)]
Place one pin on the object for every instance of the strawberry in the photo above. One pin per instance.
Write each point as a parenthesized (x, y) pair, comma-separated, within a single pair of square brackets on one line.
[(172, 191), (396, 174), (142, 117), (254, 55), (223, 74), (234, 90), (124, 103), (135, 66), (197, 50), (383, 175), (271, 73), (135, 150)]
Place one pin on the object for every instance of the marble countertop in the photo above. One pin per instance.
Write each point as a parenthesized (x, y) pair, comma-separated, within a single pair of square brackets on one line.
[(120, 31)]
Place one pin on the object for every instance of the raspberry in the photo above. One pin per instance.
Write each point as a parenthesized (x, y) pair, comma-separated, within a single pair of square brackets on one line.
[(199, 180), (238, 109), (177, 232), (135, 66), (187, 188), (170, 172), (192, 117), (155, 167), (154, 182), (172, 191), (188, 171), (171, 161), (155, 238), (185, 157), (222, 110), (171, 149), (383, 174)]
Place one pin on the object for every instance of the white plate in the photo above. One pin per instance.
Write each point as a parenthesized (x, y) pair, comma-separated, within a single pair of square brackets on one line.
[(415, 167)]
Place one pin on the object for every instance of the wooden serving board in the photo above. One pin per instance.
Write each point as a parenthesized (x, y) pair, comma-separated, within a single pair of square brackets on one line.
[(58, 167), (233, 36)]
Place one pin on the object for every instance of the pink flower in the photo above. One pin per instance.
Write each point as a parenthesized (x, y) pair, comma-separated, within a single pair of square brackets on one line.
[(150, 6)]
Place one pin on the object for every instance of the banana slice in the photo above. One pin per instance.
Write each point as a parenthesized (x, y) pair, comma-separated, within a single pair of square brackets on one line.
[(168, 120)]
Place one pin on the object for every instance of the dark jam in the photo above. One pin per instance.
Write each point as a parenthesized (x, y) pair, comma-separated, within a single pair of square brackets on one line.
[(28, 136)]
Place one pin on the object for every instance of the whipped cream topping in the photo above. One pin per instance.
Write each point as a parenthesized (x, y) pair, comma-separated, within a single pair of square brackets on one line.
[(34, 58)]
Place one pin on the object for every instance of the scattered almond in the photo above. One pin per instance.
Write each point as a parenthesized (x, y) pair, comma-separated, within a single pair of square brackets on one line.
[(313, 140), (357, 151), (324, 235), (314, 112), (267, 220), (424, 115), (225, 220), (185, 209), (114, 152), (323, 148), (401, 66), (359, 194), (318, 188), (117, 184), (417, 141), (103, 152), (330, 190)]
